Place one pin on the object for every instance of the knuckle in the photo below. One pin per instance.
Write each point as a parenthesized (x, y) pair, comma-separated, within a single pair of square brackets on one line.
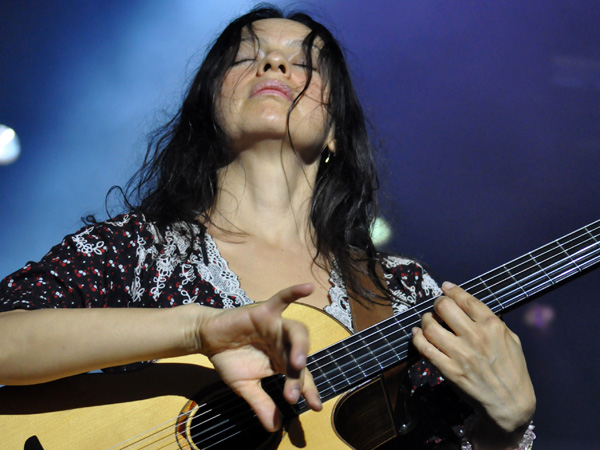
[(515, 337), (495, 325), (442, 304), (479, 337), (429, 327), (469, 360), (429, 352), (455, 373), (427, 319)]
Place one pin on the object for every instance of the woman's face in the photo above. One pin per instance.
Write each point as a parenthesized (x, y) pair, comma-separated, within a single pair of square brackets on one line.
[(258, 90)]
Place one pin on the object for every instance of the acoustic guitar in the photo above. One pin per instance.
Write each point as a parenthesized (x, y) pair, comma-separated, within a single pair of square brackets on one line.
[(180, 403)]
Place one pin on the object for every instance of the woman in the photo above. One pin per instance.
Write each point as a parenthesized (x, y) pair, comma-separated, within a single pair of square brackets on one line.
[(263, 183)]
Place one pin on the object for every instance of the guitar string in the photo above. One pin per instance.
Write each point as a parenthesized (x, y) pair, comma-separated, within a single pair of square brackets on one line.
[(425, 304), (564, 259), (497, 283), (417, 314), (554, 264), (592, 253), (219, 441), (395, 358)]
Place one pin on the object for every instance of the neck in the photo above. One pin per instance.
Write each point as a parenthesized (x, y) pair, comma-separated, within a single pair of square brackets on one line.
[(265, 194)]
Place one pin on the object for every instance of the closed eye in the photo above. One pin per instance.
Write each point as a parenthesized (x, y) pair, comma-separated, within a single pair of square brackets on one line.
[(305, 66), (244, 61)]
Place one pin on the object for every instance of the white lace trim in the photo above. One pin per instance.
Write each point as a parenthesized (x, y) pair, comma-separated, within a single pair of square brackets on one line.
[(225, 283), (217, 273), (85, 247), (408, 298), (220, 276), (339, 307)]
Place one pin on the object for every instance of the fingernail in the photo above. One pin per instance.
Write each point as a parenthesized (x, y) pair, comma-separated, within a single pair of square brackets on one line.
[(295, 394), (448, 285), (301, 360), (414, 331)]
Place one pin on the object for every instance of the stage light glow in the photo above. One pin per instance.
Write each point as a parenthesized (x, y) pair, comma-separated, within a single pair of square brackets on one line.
[(381, 232), (539, 316), (10, 148)]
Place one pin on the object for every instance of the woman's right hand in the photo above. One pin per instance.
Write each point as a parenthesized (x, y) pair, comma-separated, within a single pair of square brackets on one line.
[(250, 343)]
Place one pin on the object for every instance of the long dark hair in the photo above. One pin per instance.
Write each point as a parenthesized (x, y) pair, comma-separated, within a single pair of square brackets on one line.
[(178, 179)]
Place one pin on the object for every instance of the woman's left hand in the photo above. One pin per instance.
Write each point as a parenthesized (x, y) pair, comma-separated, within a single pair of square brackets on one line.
[(480, 355)]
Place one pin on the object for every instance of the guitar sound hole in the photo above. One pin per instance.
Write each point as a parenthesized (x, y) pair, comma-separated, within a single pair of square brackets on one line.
[(224, 421)]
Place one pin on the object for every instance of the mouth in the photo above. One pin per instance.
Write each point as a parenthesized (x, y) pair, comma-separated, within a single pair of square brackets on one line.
[(272, 87)]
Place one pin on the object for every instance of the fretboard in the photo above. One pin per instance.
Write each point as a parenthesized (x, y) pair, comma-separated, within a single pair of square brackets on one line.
[(370, 352)]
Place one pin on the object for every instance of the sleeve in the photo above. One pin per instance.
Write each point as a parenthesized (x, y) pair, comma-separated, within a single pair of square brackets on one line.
[(94, 267), (441, 416), (436, 409)]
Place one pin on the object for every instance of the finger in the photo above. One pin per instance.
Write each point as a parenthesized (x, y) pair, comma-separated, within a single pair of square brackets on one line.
[(293, 387), (428, 350), (283, 298), (311, 393), (262, 404), (474, 308), (438, 335), (289, 295), (448, 311), (296, 335)]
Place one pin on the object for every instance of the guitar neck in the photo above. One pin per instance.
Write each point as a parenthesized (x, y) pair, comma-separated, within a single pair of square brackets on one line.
[(374, 350)]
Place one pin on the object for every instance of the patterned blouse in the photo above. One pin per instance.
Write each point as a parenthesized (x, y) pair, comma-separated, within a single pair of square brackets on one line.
[(127, 262)]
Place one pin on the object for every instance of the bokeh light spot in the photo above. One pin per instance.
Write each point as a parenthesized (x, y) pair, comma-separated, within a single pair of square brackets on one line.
[(381, 232), (10, 147)]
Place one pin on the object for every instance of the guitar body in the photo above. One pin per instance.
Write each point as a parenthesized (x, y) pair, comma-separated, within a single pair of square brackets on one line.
[(157, 407)]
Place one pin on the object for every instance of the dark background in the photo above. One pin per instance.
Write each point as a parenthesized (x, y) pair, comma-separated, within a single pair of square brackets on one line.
[(487, 115)]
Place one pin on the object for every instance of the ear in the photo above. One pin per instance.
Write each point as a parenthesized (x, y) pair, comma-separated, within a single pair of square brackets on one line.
[(331, 139)]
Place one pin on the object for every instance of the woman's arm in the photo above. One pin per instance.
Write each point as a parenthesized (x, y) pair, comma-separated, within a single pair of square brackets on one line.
[(245, 344), (43, 345), (482, 357)]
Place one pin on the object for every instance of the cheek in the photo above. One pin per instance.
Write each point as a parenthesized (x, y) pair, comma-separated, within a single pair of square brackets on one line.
[(314, 104), (226, 105)]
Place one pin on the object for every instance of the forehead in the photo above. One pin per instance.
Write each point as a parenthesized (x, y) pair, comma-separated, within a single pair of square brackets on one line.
[(277, 31)]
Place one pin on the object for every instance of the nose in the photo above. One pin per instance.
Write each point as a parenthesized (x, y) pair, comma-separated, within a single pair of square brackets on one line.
[(275, 61)]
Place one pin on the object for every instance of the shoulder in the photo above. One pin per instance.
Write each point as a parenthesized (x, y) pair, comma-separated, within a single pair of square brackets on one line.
[(403, 267), (125, 231), (408, 280)]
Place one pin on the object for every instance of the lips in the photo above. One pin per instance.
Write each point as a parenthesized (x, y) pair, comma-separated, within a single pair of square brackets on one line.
[(272, 87)]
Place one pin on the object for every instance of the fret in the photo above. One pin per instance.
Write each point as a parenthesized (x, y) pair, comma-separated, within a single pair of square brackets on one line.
[(346, 362), (378, 348), (592, 261), (412, 317), (550, 256), (383, 339), (358, 365), (541, 268), (360, 345), (526, 273), (319, 375), (335, 371), (514, 296), (590, 233), (375, 358), (489, 294), (573, 246)]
